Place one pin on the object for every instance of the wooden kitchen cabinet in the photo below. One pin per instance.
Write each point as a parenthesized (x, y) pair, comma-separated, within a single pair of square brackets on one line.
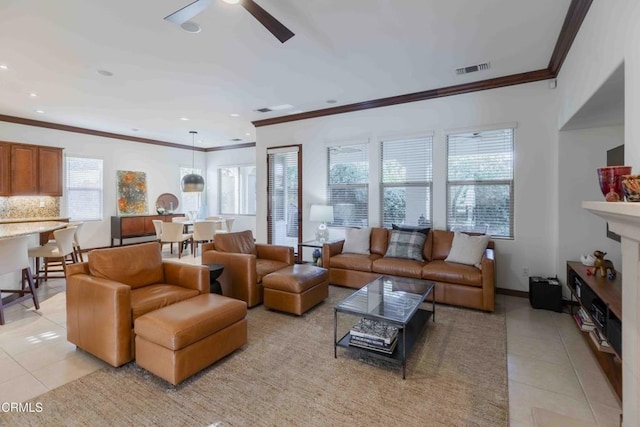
[(5, 168), (24, 170), (49, 171), (34, 171)]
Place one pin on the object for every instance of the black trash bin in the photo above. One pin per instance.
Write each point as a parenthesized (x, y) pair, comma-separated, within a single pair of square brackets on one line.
[(545, 293)]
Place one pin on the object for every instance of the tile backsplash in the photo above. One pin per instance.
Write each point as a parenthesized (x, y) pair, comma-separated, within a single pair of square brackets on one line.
[(29, 207)]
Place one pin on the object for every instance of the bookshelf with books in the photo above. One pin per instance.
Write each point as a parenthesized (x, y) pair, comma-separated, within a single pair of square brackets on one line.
[(598, 315)]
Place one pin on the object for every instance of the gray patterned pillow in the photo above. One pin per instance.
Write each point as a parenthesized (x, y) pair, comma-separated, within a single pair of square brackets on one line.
[(406, 244)]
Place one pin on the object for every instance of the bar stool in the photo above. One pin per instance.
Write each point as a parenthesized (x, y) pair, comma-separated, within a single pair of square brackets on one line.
[(59, 251), (13, 257), (76, 242)]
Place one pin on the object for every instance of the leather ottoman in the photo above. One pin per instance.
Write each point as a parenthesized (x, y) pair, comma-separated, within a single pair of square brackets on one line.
[(295, 289), (181, 339)]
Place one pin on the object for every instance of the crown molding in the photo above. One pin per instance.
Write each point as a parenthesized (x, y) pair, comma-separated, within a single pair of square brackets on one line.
[(86, 131)]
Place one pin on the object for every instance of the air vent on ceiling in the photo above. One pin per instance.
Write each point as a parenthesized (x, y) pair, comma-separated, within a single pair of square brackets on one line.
[(472, 68), (264, 110), (236, 139)]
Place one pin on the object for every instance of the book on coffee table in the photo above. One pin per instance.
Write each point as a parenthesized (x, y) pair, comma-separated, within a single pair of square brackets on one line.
[(376, 330)]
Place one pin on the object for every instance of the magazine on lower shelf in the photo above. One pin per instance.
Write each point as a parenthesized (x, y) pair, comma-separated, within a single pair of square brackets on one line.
[(601, 343), (381, 349)]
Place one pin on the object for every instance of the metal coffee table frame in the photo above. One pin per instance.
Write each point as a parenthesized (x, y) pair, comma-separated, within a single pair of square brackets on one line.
[(393, 300)]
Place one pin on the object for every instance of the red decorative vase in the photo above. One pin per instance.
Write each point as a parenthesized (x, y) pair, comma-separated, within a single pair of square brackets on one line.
[(611, 176)]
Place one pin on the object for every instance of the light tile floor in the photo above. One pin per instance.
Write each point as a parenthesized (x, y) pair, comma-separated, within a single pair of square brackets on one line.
[(550, 368)]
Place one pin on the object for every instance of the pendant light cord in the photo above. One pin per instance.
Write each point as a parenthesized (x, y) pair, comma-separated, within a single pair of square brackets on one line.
[(193, 151)]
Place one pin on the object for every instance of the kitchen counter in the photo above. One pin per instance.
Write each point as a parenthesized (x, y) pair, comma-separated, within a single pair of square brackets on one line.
[(26, 228), (21, 220)]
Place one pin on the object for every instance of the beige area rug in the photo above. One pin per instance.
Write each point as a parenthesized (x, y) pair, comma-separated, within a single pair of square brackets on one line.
[(287, 376)]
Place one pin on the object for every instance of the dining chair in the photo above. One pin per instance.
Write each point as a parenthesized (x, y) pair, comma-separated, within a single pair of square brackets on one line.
[(59, 251), (173, 232), (13, 257), (203, 231)]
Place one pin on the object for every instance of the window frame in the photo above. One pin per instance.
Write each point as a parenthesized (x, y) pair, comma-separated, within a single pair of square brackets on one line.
[(346, 186), (428, 184), (485, 182), (70, 190), (241, 192)]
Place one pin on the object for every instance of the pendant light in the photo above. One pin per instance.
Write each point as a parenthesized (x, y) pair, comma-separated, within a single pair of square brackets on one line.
[(193, 182)]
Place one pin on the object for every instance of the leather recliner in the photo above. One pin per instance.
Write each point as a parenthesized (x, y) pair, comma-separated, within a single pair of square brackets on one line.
[(245, 263), (116, 286)]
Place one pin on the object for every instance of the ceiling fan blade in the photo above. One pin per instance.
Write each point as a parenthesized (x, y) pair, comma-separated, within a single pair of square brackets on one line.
[(276, 28), (189, 11)]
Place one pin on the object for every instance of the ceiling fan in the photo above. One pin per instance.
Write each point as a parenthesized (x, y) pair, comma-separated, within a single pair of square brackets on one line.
[(276, 28)]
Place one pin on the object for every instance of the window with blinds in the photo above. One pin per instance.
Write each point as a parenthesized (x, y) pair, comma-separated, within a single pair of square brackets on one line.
[(284, 199), (407, 175), (348, 184), (238, 190), (84, 192), (480, 182), (190, 202)]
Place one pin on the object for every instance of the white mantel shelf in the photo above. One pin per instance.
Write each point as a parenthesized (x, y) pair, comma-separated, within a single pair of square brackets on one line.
[(623, 217)]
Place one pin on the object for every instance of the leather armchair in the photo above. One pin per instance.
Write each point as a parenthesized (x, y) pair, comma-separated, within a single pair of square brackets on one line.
[(245, 263), (116, 286)]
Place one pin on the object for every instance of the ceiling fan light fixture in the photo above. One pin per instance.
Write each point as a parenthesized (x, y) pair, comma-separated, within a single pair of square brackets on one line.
[(192, 183), (232, 1)]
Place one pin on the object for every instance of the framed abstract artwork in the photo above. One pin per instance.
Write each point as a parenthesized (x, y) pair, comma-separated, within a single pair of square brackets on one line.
[(132, 193)]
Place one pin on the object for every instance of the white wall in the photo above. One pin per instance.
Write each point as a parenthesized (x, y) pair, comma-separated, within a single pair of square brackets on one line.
[(609, 36), (581, 152), (162, 165), (534, 108), (217, 159)]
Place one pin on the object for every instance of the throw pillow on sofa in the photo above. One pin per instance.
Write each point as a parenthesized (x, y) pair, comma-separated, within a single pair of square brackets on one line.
[(406, 244), (467, 249), (356, 241), (418, 228)]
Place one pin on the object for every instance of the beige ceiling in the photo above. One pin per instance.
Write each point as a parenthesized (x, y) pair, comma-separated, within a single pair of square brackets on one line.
[(349, 51)]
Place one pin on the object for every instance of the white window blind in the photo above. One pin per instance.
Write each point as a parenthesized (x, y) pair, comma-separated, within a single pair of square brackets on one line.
[(237, 190), (190, 200), (407, 175), (480, 182), (348, 184), (283, 209), (84, 192)]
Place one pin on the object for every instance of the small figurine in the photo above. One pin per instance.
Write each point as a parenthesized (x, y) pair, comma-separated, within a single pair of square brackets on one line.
[(603, 266)]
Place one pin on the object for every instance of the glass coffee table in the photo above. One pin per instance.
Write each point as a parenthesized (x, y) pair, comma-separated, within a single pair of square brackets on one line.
[(390, 302)]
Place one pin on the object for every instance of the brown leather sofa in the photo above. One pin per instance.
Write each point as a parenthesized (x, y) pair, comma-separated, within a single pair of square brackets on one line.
[(116, 286), (245, 264), (456, 284)]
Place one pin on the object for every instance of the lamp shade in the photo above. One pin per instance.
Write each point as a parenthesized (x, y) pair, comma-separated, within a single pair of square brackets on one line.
[(321, 213), (192, 183)]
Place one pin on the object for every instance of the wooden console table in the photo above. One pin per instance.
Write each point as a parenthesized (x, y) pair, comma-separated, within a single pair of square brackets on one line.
[(128, 227), (606, 296)]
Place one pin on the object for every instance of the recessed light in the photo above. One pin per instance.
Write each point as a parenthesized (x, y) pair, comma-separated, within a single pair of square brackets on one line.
[(232, 1), (33, 94), (191, 27), (105, 73), (4, 67), (281, 107), (248, 134), (331, 101), (234, 115), (184, 119), (200, 141), (40, 111)]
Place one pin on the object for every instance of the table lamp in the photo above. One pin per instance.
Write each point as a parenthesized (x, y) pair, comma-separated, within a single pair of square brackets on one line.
[(322, 214)]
